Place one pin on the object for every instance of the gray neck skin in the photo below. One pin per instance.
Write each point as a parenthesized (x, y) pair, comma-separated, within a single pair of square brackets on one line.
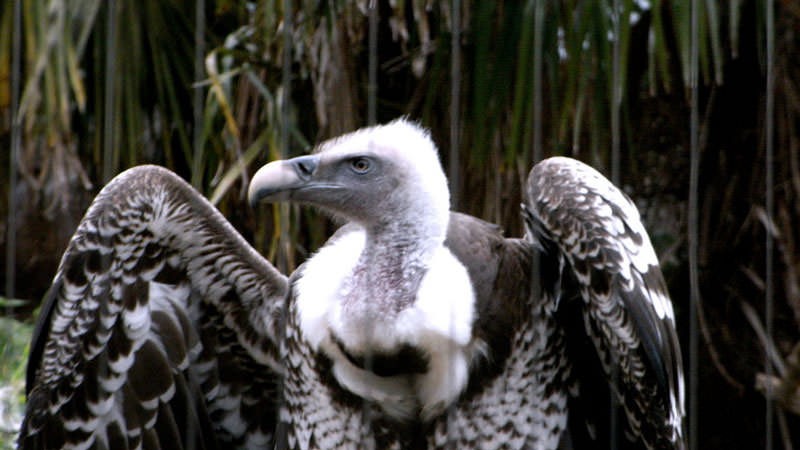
[(387, 276)]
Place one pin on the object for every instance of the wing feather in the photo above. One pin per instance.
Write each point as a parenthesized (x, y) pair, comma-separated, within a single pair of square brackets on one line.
[(627, 313), (160, 328)]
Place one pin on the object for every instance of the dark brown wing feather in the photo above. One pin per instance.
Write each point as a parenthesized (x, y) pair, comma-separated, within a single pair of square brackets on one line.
[(575, 212), (499, 269), (159, 329)]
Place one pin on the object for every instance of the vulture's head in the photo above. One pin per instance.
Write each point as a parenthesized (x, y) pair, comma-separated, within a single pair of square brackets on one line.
[(377, 176)]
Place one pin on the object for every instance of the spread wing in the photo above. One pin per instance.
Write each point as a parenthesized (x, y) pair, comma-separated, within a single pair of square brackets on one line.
[(160, 329), (607, 258)]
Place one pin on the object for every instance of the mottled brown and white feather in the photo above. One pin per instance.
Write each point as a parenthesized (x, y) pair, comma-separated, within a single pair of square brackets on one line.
[(160, 329), (576, 213), (413, 327), (517, 392)]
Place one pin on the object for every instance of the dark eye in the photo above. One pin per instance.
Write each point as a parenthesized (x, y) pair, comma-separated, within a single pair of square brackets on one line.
[(360, 165)]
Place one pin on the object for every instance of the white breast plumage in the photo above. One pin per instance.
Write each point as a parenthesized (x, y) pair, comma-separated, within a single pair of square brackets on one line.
[(438, 323), (163, 325)]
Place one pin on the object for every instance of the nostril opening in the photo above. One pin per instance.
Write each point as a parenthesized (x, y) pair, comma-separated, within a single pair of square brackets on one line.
[(305, 166)]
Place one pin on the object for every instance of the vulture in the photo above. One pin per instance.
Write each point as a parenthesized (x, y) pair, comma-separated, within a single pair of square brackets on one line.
[(413, 327)]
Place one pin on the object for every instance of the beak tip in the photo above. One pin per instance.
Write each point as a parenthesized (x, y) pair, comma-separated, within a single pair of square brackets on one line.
[(271, 182), (253, 199)]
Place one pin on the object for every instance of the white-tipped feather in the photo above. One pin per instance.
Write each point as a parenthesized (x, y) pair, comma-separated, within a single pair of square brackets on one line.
[(385, 286)]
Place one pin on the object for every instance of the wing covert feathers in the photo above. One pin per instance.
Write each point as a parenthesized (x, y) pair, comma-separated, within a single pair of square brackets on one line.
[(163, 328), (159, 330), (574, 211)]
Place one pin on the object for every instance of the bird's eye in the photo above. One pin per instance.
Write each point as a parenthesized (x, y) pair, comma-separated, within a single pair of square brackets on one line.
[(360, 165)]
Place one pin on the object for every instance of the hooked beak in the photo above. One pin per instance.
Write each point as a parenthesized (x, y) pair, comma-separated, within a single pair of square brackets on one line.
[(276, 181)]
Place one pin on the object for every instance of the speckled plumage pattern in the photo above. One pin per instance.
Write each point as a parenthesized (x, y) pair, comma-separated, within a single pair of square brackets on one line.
[(627, 311), (518, 396), (165, 329), (525, 406), (156, 331)]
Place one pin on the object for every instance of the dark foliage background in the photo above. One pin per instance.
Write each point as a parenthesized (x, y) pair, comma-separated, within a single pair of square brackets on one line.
[(202, 92)]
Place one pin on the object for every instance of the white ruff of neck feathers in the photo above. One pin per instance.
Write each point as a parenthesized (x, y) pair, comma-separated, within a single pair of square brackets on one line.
[(333, 300)]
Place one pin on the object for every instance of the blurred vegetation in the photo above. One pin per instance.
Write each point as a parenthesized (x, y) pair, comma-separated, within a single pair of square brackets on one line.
[(14, 339), (590, 79)]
